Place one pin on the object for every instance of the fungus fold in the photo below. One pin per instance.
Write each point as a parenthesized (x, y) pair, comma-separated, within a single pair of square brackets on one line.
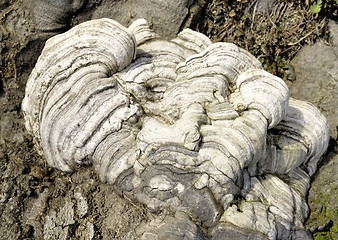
[(196, 131)]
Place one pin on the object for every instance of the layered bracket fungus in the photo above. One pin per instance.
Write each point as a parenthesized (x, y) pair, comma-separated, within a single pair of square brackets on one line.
[(196, 131)]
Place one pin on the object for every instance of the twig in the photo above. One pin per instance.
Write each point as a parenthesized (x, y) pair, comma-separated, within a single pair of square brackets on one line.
[(268, 16), (282, 12), (308, 34), (250, 6), (253, 16)]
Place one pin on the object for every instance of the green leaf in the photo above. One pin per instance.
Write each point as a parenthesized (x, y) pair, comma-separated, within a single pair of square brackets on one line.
[(316, 6)]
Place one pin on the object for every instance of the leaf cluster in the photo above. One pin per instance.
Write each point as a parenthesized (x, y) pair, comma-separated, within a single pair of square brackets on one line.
[(325, 7)]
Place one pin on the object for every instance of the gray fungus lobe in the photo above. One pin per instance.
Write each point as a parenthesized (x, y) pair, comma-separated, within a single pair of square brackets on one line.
[(196, 131)]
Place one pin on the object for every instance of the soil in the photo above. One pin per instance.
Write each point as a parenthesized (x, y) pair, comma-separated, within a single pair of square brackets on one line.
[(39, 202)]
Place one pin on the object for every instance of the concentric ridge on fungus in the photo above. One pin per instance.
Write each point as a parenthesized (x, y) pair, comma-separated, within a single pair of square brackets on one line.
[(198, 132)]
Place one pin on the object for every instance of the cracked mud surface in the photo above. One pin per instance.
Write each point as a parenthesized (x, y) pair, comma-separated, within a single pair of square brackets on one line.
[(38, 202)]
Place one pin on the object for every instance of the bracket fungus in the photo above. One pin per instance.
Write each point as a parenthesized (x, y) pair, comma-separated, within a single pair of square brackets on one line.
[(196, 131)]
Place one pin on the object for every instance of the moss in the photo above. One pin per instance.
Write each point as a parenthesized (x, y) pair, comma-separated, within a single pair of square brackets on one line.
[(323, 215)]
